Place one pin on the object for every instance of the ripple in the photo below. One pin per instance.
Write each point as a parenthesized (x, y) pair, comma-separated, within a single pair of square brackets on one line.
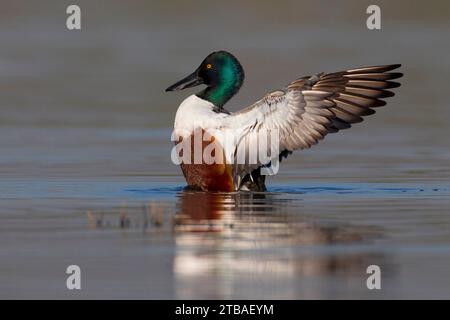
[(373, 189), (353, 189), (156, 190)]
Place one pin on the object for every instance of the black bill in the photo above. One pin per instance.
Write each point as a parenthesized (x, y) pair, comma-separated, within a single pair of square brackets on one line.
[(190, 81)]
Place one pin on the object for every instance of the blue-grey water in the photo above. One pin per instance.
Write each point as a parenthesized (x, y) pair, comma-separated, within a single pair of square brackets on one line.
[(86, 176)]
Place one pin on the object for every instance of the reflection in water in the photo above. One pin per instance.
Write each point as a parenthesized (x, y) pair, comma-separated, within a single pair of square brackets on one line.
[(258, 245), (225, 240)]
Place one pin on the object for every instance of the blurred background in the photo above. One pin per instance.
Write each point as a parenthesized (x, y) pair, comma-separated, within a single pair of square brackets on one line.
[(85, 139)]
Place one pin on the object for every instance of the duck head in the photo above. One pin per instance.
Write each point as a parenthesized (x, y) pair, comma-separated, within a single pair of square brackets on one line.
[(221, 72)]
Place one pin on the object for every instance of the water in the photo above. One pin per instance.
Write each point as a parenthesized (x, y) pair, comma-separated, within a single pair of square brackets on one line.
[(86, 176)]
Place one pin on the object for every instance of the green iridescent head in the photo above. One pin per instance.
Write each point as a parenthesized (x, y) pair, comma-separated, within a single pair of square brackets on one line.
[(221, 72)]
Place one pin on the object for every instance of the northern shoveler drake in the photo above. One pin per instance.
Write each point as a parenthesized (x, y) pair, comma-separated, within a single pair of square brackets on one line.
[(302, 113)]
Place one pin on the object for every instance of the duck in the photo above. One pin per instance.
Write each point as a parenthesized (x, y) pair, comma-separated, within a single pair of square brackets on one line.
[(301, 113)]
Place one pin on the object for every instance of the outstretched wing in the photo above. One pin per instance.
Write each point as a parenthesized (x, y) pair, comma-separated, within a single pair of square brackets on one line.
[(309, 108)]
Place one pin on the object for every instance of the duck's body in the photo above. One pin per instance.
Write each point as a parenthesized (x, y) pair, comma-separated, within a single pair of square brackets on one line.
[(198, 114), (302, 113)]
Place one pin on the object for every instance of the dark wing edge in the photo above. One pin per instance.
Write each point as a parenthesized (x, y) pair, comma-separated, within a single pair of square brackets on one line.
[(357, 92)]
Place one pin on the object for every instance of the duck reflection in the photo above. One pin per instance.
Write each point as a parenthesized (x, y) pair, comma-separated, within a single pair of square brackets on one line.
[(226, 241)]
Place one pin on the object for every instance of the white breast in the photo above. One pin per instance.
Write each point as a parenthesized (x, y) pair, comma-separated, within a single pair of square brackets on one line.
[(195, 112)]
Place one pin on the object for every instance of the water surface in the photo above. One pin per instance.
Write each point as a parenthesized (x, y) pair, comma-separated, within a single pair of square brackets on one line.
[(86, 176)]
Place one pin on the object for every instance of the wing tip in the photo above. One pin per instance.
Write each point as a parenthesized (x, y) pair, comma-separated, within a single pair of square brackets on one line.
[(376, 69)]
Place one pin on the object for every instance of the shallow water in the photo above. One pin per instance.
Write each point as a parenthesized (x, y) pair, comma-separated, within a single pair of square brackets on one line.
[(311, 240), (86, 177)]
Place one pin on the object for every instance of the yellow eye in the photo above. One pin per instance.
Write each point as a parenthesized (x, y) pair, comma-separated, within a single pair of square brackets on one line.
[(209, 66)]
